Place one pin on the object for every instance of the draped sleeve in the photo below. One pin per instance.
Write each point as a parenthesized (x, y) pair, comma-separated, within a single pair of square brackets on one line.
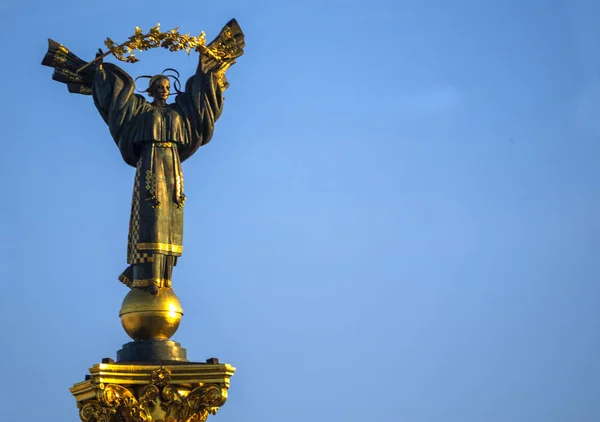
[(201, 105), (114, 96)]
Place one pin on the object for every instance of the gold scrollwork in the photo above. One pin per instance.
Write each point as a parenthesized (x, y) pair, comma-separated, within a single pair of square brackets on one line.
[(196, 406), (92, 411), (123, 403), (148, 398), (116, 403)]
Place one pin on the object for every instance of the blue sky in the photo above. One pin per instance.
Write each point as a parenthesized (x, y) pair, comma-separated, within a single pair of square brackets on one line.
[(397, 218)]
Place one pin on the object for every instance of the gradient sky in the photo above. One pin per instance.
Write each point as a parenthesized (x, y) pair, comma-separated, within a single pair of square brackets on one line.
[(397, 218)]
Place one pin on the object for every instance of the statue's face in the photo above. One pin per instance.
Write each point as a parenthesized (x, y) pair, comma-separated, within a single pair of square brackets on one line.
[(161, 89)]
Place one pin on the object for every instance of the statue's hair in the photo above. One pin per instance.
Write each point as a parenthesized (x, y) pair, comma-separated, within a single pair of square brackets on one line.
[(153, 79)]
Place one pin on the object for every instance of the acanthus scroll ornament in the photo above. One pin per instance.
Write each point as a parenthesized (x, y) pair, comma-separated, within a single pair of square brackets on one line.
[(196, 406), (116, 403)]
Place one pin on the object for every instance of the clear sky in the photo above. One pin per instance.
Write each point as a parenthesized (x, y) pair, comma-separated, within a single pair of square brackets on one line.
[(397, 218)]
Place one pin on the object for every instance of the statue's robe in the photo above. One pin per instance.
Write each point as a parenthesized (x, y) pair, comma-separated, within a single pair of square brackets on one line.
[(156, 140)]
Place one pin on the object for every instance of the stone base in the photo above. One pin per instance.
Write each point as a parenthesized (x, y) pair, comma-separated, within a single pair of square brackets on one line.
[(149, 351)]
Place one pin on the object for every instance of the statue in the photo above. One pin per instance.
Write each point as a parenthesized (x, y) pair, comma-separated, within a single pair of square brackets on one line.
[(152, 378), (154, 137)]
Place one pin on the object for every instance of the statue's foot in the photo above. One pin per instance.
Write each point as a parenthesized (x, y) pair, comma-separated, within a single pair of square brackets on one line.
[(153, 289)]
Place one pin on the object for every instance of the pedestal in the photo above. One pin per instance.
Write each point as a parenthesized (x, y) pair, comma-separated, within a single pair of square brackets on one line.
[(152, 379), (176, 392)]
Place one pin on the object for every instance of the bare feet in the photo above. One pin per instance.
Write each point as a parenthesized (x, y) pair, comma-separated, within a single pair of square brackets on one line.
[(153, 289)]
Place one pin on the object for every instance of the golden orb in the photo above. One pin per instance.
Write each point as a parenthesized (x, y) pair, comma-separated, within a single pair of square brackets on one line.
[(151, 317)]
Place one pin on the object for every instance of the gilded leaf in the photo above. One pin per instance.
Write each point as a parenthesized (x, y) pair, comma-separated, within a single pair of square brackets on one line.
[(171, 40)]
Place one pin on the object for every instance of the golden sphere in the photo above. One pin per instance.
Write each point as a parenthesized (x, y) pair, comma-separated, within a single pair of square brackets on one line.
[(150, 317)]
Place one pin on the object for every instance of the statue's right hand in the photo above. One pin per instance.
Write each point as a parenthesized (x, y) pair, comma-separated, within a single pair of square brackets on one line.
[(99, 57)]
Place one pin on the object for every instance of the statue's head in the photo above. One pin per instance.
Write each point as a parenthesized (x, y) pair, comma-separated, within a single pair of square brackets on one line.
[(159, 86)]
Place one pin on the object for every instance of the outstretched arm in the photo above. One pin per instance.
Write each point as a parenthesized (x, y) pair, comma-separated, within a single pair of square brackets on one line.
[(114, 96), (201, 104)]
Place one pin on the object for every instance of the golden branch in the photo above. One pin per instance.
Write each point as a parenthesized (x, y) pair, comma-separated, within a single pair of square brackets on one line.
[(171, 40)]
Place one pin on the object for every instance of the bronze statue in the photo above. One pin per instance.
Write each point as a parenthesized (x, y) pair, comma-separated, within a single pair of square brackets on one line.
[(155, 138)]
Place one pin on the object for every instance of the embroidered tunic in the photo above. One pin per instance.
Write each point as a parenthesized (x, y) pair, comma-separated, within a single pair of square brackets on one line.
[(155, 140)]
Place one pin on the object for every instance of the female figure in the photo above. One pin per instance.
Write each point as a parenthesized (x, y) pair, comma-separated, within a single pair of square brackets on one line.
[(155, 138)]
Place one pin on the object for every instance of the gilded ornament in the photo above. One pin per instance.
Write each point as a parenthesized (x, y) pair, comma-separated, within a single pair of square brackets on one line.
[(196, 406), (161, 376), (115, 403), (145, 316)]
